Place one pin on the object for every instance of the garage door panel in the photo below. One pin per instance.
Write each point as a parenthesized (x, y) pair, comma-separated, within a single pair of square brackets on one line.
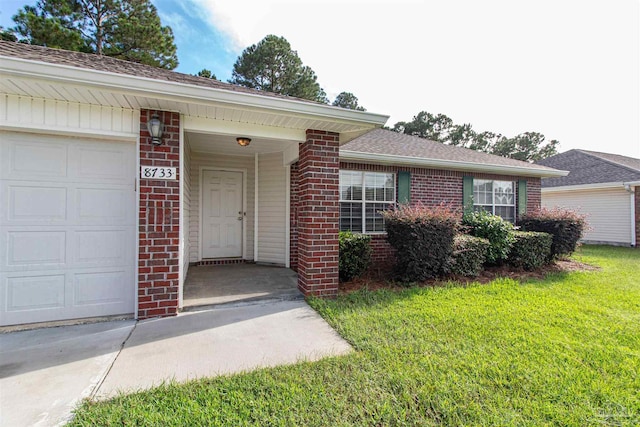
[(106, 287), (34, 160), (35, 203), (35, 292), (41, 249), (103, 165), (106, 247), (103, 206)]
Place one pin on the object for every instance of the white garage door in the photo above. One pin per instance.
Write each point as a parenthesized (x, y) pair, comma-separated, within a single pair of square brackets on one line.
[(67, 228)]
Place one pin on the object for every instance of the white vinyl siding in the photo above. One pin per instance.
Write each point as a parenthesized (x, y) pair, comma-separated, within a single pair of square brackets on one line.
[(608, 212), (217, 161), (35, 114), (186, 207), (67, 228), (271, 209)]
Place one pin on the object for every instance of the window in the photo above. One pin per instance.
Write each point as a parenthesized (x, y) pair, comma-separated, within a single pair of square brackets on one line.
[(362, 196), (497, 197)]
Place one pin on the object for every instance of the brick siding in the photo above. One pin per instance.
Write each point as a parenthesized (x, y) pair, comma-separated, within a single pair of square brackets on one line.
[(318, 214), (158, 256), (293, 217)]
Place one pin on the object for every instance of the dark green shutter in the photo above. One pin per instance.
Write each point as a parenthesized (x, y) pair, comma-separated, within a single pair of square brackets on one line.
[(404, 187), (522, 196), (467, 193)]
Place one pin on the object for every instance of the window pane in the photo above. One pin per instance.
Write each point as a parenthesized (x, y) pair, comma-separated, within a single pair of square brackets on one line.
[(503, 193), (373, 221), (350, 185), (351, 217), (506, 212)]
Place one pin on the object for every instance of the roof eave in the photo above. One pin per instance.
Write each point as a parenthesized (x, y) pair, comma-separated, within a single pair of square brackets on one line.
[(182, 91), (357, 156)]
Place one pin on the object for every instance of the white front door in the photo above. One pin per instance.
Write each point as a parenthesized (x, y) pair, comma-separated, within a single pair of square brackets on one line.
[(222, 214)]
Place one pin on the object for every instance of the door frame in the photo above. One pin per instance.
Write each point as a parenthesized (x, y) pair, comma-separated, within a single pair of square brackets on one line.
[(243, 240)]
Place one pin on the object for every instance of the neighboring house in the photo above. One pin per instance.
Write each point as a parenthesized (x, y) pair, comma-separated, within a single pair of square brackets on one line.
[(604, 186), (98, 218)]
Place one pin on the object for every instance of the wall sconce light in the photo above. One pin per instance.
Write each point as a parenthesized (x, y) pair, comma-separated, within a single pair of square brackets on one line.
[(154, 126), (243, 141)]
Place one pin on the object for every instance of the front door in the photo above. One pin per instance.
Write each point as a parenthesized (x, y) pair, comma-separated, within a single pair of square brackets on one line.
[(222, 214)]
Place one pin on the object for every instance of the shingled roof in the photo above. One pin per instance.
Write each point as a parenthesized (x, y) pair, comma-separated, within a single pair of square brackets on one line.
[(388, 143), (591, 167), (118, 66)]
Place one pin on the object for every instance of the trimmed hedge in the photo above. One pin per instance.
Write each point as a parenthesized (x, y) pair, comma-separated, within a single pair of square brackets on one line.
[(469, 254), (565, 225), (493, 228), (423, 240), (355, 254), (530, 250)]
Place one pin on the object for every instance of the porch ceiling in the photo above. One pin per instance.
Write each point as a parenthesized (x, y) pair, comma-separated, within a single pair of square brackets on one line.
[(226, 144)]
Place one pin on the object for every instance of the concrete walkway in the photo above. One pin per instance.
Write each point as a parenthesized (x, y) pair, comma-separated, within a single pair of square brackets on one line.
[(45, 373)]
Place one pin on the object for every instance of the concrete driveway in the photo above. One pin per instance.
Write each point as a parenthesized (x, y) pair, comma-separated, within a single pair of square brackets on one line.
[(45, 373)]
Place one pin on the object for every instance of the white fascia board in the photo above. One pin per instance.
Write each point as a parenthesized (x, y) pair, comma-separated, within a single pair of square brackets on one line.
[(183, 92), (632, 183), (356, 156), (583, 187)]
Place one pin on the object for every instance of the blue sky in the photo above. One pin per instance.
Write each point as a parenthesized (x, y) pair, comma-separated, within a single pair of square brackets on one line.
[(569, 69)]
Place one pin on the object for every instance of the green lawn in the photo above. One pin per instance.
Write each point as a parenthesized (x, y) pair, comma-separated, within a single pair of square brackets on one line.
[(564, 351)]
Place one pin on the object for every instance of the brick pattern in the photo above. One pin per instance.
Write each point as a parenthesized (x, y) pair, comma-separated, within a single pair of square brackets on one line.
[(293, 217), (637, 197), (158, 256), (318, 214), (432, 187), (223, 261)]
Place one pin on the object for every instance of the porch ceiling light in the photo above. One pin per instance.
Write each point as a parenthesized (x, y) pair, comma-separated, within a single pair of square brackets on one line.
[(154, 126), (243, 141)]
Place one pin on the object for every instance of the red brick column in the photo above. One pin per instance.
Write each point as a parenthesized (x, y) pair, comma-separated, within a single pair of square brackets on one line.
[(318, 214), (159, 213), (293, 213)]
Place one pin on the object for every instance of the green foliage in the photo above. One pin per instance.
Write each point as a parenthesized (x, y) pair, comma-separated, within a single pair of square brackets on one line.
[(530, 249), (423, 240), (272, 66), (493, 228), (348, 100), (123, 29), (355, 254), (207, 74), (7, 35), (565, 225), (469, 255), (562, 351), (527, 146)]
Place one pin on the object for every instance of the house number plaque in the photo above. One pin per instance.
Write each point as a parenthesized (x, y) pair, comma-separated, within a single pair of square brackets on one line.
[(152, 172)]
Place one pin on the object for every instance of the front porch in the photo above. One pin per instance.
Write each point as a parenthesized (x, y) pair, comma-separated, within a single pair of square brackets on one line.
[(238, 283)]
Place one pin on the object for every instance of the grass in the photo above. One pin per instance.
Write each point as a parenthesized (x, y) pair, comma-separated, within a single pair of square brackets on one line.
[(561, 351)]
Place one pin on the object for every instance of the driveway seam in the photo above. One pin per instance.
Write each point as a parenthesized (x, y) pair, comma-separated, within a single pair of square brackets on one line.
[(104, 377)]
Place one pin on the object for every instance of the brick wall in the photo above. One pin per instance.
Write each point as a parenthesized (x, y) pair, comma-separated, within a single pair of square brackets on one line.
[(318, 214), (432, 187), (158, 256)]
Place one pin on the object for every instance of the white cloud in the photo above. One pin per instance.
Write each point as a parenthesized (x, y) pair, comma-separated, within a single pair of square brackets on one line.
[(567, 69)]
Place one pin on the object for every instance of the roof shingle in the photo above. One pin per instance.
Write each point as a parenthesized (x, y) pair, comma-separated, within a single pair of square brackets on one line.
[(591, 167), (385, 142)]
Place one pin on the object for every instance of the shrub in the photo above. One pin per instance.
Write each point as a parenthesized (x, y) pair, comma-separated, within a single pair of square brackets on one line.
[(565, 225), (355, 254), (530, 250), (423, 239), (496, 230), (469, 254)]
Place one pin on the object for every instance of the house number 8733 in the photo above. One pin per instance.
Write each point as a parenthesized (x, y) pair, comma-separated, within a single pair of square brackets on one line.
[(151, 172)]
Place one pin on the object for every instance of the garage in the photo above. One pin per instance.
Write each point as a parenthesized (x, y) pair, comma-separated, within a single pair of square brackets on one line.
[(67, 228)]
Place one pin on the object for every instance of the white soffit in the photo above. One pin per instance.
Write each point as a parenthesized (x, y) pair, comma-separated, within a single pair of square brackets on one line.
[(73, 84)]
